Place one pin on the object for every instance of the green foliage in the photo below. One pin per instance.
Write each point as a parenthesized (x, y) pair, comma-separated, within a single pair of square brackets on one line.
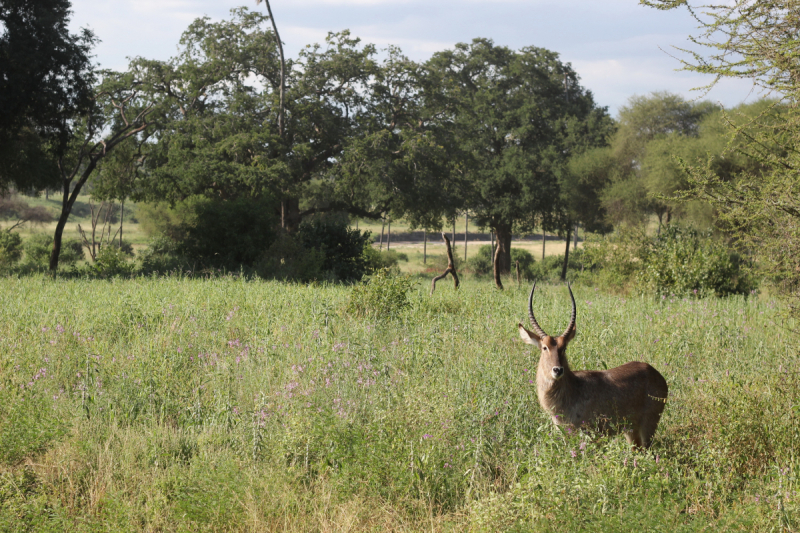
[(228, 234), (514, 125), (383, 296), (684, 261), (10, 248), (288, 259), (162, 255), (481, 263), (679, 261), (47, 79), (551, 266), (38, 247), (111, 261), (386, 259), (341, 246)]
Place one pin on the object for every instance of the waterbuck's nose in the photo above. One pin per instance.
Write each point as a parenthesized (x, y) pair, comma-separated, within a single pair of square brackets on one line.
[(558, 371)]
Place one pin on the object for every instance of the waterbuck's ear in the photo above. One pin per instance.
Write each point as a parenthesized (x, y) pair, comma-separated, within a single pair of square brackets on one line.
[(529, 337)]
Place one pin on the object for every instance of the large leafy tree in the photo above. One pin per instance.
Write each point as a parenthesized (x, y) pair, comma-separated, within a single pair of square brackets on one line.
[(118, 115), (758, 41), (401, 160), (46, 78), (222, 134), (512, 114), (646, 125)]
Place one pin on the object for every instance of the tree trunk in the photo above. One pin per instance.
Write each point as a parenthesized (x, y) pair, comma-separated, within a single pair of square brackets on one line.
[(504, 245), (424, 247), (389, 236), (575, 246), (544, 240), (466, 230), (67, 201), (566, 255), (383, 227), (496, 265), (121, 218)]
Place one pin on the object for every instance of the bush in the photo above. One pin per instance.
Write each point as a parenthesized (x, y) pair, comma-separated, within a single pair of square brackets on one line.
[(383, 295), (680, 261), (211, 233), (229, 234), (10, 248), (161, 255), (387, 259), (39, 246), (481, 263), (684, 261), (288, 259), (342, 247), (111, 261)]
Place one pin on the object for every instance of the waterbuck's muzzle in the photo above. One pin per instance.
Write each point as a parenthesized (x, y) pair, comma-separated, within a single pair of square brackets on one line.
[(557, 372)]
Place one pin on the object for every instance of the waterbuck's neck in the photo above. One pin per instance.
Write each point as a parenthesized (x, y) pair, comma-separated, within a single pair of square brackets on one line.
[(554, 394)]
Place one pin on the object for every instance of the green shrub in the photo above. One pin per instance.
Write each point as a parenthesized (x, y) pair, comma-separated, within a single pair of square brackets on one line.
[(342, 247), (111, 261), (162, 255), (39, 246), (288, 259), (684, 261), (481, 263), (382, 296), (10, 248), (679, 261), (229, 234), (551, 266), (212, 233), (387, 259)]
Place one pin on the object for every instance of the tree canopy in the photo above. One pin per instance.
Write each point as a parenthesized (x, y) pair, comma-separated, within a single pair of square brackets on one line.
[(46, 77)]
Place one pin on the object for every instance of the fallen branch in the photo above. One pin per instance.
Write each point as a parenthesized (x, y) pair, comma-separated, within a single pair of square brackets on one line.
[(451, 267)]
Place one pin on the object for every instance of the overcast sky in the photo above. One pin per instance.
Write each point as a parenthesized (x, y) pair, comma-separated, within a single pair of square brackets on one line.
[(618, 47)]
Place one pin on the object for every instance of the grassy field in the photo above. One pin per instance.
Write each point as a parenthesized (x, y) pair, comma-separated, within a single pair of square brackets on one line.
[(228, 405)]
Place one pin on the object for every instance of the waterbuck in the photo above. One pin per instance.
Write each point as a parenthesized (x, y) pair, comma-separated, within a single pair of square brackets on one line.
[(627, 399)]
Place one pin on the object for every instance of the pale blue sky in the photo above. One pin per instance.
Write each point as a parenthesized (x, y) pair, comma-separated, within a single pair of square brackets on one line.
[(618, 47)]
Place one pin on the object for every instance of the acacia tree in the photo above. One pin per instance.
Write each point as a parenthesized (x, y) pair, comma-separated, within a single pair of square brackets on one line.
[(755, 40), (510, 117)]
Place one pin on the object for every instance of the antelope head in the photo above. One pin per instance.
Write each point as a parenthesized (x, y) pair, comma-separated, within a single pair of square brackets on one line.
[(553, 364)]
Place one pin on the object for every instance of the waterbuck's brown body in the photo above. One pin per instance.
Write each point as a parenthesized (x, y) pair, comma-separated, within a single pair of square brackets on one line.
[(628, 399)]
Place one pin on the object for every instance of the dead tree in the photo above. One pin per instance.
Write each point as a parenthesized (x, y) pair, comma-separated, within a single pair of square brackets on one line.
[(104, 213), (451, 267), (496, 264)]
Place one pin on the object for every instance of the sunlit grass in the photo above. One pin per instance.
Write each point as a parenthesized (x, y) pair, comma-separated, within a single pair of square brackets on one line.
[(174, 404)]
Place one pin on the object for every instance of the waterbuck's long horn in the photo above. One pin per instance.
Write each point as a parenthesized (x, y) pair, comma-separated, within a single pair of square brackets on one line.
[(574, 314), (536, 327)]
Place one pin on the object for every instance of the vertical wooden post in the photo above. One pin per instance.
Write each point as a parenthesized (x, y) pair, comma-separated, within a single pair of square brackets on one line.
[(544, 240), (575, 246), (466, 230)]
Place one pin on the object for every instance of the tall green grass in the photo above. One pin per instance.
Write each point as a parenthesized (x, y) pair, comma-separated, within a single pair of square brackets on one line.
[(171, 404)]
